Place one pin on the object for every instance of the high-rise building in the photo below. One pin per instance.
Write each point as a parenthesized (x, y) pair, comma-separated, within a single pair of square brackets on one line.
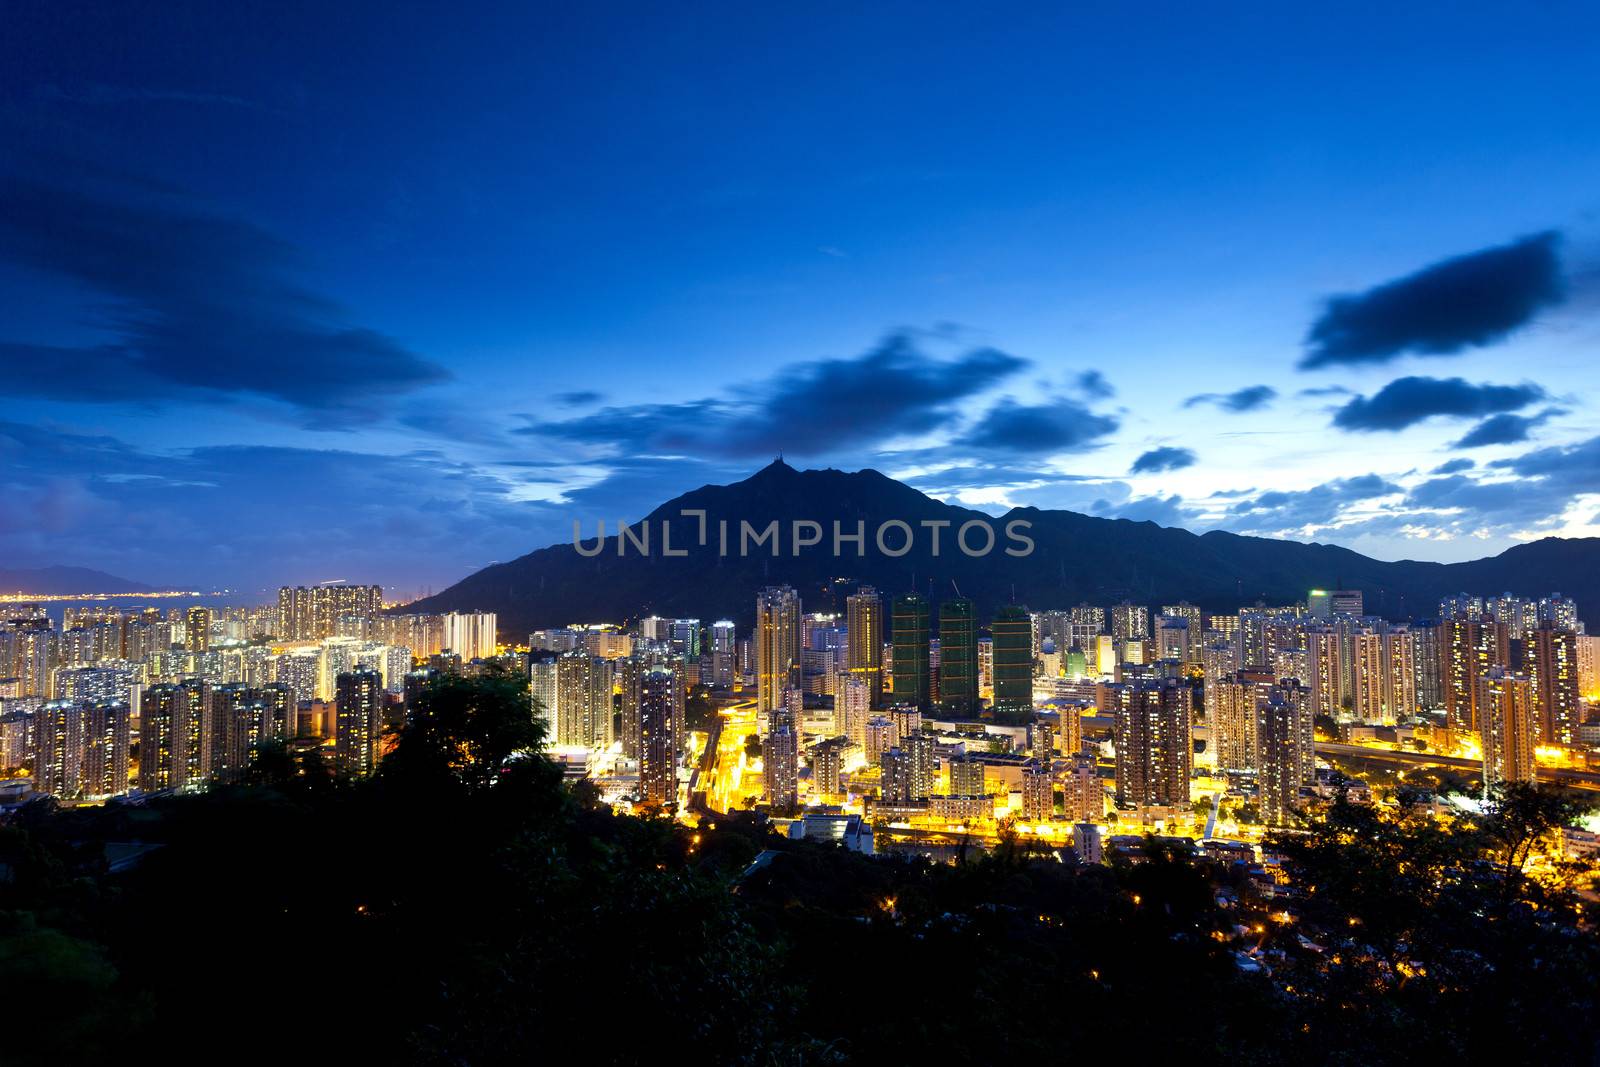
[(312, 614), (1038, 791), (163, 739), (1153, 743), (583, 716), (958, 657), (1550, 660), (881, 736), (108, 756), (864, 625), (197, 629), (1326, 603), (1069, 733), (1505, 707), (912, 682), (780, 766), (777, 639), (1082, 797), (1130, 621), (919, 749), (629, 674), (1012, 630), (1327, 671), (1173, 638), (827, 767), (1231, 708), (1287, 750), (966, 776), (358, 709), (1399, 673), (894, 779), (1369, 676), (1561, 612), (470, 634), (724, 654), (657, 741), (1476, 646), (853, 709)]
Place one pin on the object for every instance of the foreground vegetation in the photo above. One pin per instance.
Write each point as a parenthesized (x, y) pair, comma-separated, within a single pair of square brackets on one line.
[(463, 906)]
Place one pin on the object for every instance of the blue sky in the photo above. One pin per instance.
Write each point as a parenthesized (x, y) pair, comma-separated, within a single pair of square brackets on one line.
[(388, 294)]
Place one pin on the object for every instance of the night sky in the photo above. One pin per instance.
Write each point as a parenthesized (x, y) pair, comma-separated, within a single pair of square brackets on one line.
[(382, 293)]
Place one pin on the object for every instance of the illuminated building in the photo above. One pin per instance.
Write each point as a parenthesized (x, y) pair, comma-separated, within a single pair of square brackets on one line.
[(1560, 612), (724, 653), (1327, 671), (895, 781), (911, 655), (881, 735), (777, 640), (864, 625), (1287, 751), (1038, 792), (1475, 646), (1173, 638), (1069, 732), (314, 613), (358, 707), (780, 766), (857, 710), (1154, 748), (470, 635), (629, 684), (1369, 676), (658, 741), (108, 757), (1550, 660), (966, 776), (164, 739), (1399, 673), (583, 701), (240, 719), (1082, 798), (827, 766), (1231, 709), (958, 657), (919, 749), (1130, 621), (1012, 630), (197, 629), (1044, 740), (1505, 705)]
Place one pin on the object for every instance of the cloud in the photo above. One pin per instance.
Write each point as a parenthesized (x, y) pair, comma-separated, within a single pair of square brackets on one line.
[(1093, 384), (192, 307), (1247, 399), (1161, 459), (1466, 302), (1571, 468), (1041, 429), (1454, 466), (1161, 510), (1276, 511), (1407, 401), (809, 409), (242, 517), (1504, 429), (578, 398)]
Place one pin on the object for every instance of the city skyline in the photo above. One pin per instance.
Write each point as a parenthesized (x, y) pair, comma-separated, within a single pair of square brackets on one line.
[(403, 350)]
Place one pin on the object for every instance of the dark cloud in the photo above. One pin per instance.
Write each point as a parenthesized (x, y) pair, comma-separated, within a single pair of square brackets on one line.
[(1249, 398), (1454, 466), (1504, 429), (1465, 302), (1279, 510), (192, 306), (1570, 469), (1093, 384), (1407, 401), (1040, 429), (1161, 459), (578, 398), (809, 409), (241, 516)]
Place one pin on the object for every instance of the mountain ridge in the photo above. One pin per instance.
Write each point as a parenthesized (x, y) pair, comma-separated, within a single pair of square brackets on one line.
[(1075, 558), (61, 581)]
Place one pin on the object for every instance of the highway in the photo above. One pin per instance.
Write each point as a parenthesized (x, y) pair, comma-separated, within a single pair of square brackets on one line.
[(1576, 779)]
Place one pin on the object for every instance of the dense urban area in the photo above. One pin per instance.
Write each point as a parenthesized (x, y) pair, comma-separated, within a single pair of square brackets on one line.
[(1297, 826)]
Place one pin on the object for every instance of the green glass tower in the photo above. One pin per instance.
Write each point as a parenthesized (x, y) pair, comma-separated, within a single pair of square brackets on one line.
[(958, 657), (1013, 661), (909, 619)]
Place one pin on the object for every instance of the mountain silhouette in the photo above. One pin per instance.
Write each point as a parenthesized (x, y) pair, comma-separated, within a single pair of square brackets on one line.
[(1075, 558)]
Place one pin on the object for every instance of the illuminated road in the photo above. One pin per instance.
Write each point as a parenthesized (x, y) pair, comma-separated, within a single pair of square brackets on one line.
[(1576, 779)]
